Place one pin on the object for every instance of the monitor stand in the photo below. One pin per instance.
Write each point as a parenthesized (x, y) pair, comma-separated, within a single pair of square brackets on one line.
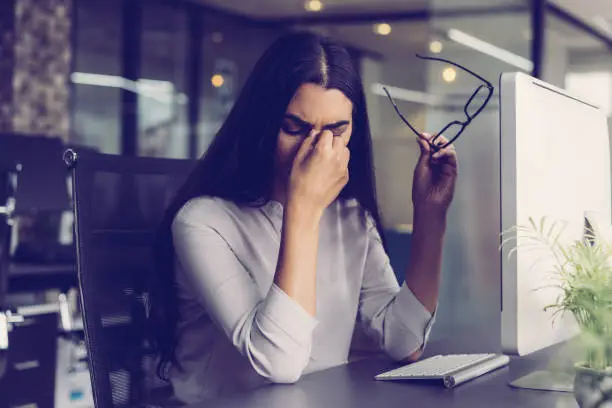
[(558, 375), (4, 329), (7, 319), (562, 381), (3, 360)]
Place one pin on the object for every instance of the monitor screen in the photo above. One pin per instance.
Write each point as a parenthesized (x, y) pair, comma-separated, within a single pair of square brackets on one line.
[(42, 184)]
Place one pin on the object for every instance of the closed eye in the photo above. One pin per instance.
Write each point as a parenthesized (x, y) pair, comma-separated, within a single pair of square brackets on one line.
[(293, 125), (293, 129), (339, 130)]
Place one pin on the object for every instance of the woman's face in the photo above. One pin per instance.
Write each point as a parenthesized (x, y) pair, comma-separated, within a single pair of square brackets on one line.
[(312, 108)]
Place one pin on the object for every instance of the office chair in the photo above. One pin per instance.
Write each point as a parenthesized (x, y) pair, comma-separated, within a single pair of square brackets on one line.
[(118, 203)]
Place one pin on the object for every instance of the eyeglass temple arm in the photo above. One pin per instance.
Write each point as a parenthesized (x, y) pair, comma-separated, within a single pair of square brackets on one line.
[(400, 113), (458, 66)]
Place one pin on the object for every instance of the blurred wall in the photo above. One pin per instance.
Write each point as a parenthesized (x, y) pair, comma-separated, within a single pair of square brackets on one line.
[(470, 293), (555, 64), (35, 66)]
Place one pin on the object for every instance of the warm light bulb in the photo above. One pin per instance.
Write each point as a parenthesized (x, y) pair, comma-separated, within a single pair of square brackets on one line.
[(449, 74), (217, 80), (435, 47), (382, 29), (313, 5)]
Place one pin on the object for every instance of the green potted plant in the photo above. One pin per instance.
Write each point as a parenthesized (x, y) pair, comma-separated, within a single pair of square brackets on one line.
[(583, 269)]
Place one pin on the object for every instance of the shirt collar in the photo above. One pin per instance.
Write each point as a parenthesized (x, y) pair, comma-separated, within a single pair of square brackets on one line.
[(273, 209)]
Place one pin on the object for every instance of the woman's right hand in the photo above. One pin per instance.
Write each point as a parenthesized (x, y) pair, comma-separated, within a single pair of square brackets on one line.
[(319, 171)]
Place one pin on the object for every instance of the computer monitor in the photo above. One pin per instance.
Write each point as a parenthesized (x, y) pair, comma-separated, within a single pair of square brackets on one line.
[(42, 201), (555, 163), (42, 179)]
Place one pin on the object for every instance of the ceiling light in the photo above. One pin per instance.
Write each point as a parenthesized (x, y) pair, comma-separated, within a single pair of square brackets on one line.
[(217, 80), (435, 47), (161, 91), (449, 74), (382, 29), (490, 49), (313, 5)]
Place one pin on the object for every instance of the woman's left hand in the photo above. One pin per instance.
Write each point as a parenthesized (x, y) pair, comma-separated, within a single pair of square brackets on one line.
[(435, 174)]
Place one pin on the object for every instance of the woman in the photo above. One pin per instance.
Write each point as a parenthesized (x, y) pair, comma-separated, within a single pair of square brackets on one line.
[(273, 246)]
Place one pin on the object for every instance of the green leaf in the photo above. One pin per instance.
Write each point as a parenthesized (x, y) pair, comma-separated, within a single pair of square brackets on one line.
[(579, 270)]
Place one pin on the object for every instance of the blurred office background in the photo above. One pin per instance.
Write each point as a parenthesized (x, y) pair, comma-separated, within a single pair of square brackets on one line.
[(157, 78)]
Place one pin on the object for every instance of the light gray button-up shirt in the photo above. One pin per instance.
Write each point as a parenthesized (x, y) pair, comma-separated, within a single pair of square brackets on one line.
[(238, 330)]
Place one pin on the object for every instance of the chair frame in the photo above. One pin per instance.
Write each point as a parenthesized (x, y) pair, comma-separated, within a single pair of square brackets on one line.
[(83, 167)]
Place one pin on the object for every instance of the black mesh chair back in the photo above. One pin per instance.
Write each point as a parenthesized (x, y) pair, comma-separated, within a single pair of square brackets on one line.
[(119, 203)]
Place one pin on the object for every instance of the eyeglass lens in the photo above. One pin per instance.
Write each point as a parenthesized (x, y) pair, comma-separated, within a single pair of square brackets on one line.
[(450, 133), (478, 101)]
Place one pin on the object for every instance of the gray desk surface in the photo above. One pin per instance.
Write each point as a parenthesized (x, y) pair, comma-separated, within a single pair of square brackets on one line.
[(353, 386), (38, 269)]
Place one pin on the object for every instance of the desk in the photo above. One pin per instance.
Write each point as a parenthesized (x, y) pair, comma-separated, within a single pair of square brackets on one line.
[(25, 277), (353, 386), (29, 380)]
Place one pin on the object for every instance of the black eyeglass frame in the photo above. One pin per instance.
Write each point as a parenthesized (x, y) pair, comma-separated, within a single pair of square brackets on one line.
[(432, 142)]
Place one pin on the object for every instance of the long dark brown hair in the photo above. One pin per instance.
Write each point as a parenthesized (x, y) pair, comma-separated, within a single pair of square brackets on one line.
[(239, 164)]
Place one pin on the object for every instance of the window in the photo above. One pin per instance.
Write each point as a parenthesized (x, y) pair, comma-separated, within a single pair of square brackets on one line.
[(162, 102), (230, 49), (97, 75), (578, 62)]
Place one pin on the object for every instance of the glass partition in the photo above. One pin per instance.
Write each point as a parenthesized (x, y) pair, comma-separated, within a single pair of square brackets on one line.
[(97, 75), (162, 100), (578, 62), (230, 49), (492, 40), (489, 45)]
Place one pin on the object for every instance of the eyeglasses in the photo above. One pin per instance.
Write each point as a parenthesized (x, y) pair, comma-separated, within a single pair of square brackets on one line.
[(472, 108)]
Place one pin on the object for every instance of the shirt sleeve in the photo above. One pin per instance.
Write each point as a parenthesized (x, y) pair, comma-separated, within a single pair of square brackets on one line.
[(273, 331), (391, 314)]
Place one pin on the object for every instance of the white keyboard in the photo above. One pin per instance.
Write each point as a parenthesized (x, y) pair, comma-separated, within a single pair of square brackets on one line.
[(452, 369)]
